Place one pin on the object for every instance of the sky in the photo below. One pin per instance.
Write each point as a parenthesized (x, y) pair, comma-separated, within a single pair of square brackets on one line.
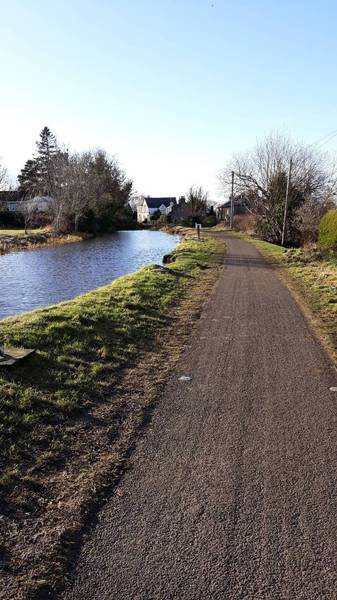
[(170, 87)]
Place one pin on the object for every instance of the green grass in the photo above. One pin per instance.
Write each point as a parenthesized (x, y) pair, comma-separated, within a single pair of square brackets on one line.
[(82, 345), (272, 250), (20, 231)]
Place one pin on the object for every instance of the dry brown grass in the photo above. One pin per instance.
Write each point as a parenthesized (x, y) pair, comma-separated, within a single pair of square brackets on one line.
[(245, 224)]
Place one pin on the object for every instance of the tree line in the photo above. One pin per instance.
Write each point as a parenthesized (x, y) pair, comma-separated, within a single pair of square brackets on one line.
[(261, 176), (88, 191), (91, 192)]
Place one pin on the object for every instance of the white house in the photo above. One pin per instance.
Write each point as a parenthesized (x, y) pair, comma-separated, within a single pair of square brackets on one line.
[(15, 202), (150, 206), (41, 204)]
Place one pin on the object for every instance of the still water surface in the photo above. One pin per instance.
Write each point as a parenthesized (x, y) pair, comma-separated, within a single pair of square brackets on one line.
[(38, 278)]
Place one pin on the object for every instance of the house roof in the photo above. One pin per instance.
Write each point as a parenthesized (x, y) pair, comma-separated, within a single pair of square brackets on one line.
[(10, 196), (157, 202), (238, 201)]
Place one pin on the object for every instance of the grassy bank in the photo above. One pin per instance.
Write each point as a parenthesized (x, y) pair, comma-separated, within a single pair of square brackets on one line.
[(312, 276), (67, 415), (21, 231), (12, 242)]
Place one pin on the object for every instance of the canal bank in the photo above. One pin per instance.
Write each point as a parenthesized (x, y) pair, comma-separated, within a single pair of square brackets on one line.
[(70, 415), (14, 242)]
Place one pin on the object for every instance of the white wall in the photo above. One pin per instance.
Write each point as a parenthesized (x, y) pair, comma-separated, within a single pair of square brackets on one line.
[(144, 212)]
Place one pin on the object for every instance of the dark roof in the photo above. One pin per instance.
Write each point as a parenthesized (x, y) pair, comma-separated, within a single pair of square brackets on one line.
[(238, 201), (11, 196), (225, 204), (157, 202)]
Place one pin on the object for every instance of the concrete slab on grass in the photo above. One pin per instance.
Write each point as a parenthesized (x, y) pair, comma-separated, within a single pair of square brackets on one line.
[(14, 355)]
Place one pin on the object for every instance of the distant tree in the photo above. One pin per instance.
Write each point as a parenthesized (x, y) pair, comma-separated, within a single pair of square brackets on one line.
[(29, 213), (29, 178), (196, 203), (271, 228), (135, 201), (71, 190), (3, 176), (90, 191), (110, 189), (309, 216), (38, 174), (47, 149)]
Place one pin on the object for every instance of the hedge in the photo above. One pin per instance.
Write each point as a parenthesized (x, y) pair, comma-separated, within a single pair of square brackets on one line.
[(328, 231)]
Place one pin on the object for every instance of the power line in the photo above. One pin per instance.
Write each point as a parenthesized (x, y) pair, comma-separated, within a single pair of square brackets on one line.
[(325, 139), (328, 140)]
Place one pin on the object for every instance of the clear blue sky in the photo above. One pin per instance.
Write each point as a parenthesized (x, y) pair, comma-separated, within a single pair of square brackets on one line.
[(172, 87)]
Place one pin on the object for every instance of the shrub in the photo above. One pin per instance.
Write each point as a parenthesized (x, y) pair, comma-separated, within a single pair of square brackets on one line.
[(245, 223), (309, 216), (209, 221), (191, 221), (156, 215), (328, 231)]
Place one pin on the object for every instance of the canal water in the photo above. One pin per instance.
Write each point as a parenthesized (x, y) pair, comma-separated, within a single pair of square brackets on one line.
[(38, 278)]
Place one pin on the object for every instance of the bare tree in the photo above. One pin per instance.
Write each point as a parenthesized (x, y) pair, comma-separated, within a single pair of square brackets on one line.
[(196, 201), (309, 216), (71, 192), (110, 188), (3, 176), (261, 175), (135, 201), (88, 187), (29, 212)]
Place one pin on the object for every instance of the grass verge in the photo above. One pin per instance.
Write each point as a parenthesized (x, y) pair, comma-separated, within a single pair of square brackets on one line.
[(38, 239), (69, 416), (312, 278), (21, 231)]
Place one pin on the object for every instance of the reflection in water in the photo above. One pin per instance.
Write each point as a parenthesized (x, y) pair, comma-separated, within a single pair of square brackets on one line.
[(38, 278)]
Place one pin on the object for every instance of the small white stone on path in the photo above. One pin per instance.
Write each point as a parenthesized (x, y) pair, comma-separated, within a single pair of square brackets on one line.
[(185, 378), (333, 389)]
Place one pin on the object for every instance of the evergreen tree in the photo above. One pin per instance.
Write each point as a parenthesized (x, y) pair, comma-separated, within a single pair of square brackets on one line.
[(29, 179), (38, 174), (46, 151)]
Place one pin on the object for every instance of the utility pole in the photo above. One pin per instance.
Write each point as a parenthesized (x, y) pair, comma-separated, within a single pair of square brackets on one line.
[(286, 201), (232, 202)]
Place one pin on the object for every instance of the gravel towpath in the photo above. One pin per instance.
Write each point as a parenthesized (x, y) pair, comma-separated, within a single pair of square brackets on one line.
[(231, 491)]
